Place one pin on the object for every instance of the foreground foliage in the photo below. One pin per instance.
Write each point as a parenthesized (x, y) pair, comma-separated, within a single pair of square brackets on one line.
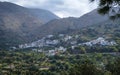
[(31, 63)]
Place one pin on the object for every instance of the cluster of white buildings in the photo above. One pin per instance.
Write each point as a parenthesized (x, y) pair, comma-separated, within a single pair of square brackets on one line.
[(40, 43), (51, 41), (99, 41), (46, 41)]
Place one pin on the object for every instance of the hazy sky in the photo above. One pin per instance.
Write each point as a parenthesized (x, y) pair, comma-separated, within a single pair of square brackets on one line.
[(62, 8)]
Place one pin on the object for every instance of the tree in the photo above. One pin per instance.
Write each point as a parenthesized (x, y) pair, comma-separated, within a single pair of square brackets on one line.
[(111, 7), (83, 50), (114, 68), (87, 68)]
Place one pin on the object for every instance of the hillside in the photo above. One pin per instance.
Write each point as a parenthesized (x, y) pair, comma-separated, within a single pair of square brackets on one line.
[(66, 25), (102, 34), (17, 23)]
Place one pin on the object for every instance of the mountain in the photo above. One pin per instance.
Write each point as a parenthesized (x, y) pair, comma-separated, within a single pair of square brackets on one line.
[(69, 24), (44, 15), (17, 23)]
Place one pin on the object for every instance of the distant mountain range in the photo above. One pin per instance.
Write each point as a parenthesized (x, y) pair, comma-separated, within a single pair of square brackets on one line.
[(21, 25), (66, 25)]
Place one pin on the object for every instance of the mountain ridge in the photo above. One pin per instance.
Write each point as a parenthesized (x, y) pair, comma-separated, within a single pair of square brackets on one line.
[(72, 23)]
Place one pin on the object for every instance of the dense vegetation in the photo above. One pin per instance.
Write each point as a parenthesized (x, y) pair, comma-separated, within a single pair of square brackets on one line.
[(32, 63)]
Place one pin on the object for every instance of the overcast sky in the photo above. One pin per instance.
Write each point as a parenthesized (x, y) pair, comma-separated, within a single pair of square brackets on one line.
[(62, 8)]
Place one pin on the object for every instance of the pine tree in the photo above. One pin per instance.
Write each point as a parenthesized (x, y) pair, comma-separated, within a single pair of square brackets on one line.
[(110, 7)]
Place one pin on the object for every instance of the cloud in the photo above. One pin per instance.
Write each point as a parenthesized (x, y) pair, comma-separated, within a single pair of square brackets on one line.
[(75, 8), (62, 8)]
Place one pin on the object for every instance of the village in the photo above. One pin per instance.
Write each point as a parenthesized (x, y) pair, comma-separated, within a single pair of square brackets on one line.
[(52, 44)]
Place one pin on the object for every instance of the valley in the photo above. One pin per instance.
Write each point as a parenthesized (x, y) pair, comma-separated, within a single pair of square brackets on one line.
[(37, 42)]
